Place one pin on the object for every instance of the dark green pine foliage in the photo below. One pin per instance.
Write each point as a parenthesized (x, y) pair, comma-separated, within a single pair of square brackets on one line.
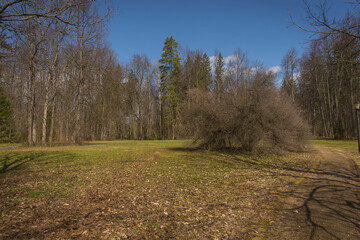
[(7, 130), (205, 81), (196, 71), (170, 87), (219, 70)]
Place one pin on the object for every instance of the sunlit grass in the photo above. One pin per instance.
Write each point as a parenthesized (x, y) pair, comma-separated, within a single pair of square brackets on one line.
[(209, 193), (344, 144), (349, 148)]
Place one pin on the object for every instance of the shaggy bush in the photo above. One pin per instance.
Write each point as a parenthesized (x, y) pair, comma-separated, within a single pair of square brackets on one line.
[(249, 118)]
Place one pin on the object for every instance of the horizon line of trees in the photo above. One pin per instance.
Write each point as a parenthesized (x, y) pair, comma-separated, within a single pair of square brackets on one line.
[(61, 82), (325, 81)]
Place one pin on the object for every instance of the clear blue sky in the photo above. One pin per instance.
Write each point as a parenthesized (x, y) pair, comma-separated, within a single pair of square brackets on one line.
[(258, 27)]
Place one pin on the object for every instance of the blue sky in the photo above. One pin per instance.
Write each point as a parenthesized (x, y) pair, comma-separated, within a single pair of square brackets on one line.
[(258, 27)]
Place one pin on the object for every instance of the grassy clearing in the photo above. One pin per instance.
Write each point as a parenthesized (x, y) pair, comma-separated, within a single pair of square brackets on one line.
[(142, 189), (349, 148)]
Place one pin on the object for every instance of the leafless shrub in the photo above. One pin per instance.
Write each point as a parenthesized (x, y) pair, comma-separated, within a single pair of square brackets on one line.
[(248, 117)]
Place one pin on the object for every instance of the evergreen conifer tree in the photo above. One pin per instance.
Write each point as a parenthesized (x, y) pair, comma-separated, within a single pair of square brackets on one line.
[(205, 78), (7, 131), (170, 72), (219, 70)]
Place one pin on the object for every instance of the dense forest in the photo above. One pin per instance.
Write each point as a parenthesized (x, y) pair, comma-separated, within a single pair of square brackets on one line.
[(329, 84), (61, 82)]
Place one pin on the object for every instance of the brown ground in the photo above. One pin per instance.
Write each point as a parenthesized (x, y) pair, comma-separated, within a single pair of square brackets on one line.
[(326, 205), (161, 190), (142, 190)]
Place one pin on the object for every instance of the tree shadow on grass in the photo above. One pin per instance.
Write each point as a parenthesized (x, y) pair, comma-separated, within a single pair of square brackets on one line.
[(16, 160), (253, 160), (320, 208), (187, 149), (324, 203), (262, 151), (13, 161), (236, 156)]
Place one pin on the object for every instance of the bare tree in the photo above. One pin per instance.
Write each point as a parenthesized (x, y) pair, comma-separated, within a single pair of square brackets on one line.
[(237, 66), (10, 10), (329, 85), (320, 23), (88, 30), (33, 38), (289, 65), (140, 65), (52, 47)]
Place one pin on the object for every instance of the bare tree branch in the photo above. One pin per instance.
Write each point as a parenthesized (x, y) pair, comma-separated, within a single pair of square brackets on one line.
[(54, 12), (9, 4), (320, 24)]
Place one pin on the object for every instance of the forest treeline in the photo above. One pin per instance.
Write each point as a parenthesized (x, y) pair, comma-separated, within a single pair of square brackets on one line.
[(325, 80), (62, 82)]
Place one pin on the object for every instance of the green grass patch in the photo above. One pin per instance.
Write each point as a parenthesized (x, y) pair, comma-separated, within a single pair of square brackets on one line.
[(349, 148), (346, 145), (142, 189)]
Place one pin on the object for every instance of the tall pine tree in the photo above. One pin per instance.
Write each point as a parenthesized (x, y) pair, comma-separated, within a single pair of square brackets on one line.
[(205, 75), (219, 71), (7, 131), (170, 73)]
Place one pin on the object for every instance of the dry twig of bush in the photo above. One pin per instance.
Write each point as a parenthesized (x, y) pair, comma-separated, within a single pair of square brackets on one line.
[(249, 117)]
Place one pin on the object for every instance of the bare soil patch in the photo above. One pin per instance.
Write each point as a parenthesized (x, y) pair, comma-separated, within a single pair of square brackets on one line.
[(326, 205)]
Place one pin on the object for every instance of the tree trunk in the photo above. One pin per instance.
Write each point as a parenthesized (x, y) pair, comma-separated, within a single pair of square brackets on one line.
[(31, 86), (67, 130), (45, 108), (29, 115), (76, 135), (52, 122)]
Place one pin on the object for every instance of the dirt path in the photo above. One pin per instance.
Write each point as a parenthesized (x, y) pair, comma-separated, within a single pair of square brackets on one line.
[(326, 204)]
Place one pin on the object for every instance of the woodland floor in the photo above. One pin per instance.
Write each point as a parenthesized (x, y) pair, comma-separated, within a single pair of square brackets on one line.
[(169, 190)]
